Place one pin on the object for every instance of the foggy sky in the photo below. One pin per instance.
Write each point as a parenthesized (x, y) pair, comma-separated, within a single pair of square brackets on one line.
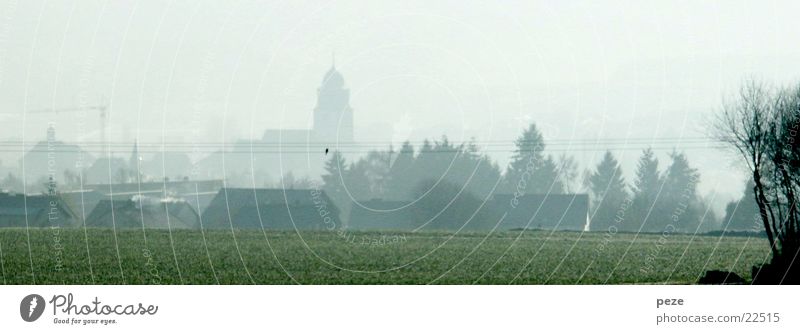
[(213, 71)]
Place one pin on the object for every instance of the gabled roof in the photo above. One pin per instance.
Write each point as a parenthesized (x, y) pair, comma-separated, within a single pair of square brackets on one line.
[(268, 196), (159, 186), (273, 208), (14, 207), (135, 213), (81, 202)]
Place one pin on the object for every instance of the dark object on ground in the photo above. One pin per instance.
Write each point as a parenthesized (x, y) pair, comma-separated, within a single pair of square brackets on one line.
[(720, 277), (780, 270)]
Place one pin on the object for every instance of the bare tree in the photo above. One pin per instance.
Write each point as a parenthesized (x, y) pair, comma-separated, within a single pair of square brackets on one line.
[(761, 125)]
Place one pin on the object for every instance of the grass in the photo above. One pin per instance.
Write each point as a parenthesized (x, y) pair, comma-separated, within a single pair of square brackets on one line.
[(100, 256)]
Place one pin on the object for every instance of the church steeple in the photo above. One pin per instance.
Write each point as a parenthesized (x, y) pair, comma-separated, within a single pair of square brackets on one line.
[(332, 81), (133, 162), (51, 133), (333, 117)]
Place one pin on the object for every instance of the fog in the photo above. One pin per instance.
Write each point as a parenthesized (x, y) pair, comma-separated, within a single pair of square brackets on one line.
[(619, 75)]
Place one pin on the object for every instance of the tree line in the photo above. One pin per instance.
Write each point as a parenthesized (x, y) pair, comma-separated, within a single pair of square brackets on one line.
[(441, 174)]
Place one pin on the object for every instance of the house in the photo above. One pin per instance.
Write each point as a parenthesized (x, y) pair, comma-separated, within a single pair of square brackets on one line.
[(54, 157), (277, 209), (378, 214), (535, 211), (271, 155), (197, 193), (107, 169), (543, 211), (18, 210), (81, 203), (145, 212)]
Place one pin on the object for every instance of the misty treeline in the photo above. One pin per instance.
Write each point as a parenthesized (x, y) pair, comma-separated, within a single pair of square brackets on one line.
[(658, 200), (105, 170), (761, 125), (441, 175)]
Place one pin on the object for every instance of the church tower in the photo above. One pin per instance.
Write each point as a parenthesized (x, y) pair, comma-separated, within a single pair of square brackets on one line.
[(333, 117), (134, 163), (51, 134)]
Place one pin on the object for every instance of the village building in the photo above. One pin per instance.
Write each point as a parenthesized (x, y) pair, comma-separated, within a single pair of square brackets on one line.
[(143, 212), (18, 210), (378, 214), (301, 151), (561, 212), (274, 209), (53, 158)]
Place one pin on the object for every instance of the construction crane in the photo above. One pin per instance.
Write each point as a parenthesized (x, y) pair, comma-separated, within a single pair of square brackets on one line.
[(101, 108)]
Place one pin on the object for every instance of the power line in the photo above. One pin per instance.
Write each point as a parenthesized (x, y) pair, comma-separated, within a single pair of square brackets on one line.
[(294, 151), (257, 143), (579, 145), (261, 147)]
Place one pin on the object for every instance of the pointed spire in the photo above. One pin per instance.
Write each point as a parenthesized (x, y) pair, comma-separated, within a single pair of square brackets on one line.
[(135, 158), (51, 133)]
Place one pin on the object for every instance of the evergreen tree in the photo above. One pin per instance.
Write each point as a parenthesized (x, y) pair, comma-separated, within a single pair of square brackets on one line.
[(481, 173), (645, 192), (680, 205), (530, 171), (422, 169), (335, 172), (358, 181), (401, 178), (608, 194), (374, 172), (548, 178)]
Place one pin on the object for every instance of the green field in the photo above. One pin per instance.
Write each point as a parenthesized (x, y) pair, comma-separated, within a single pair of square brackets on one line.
[(100, 256)]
